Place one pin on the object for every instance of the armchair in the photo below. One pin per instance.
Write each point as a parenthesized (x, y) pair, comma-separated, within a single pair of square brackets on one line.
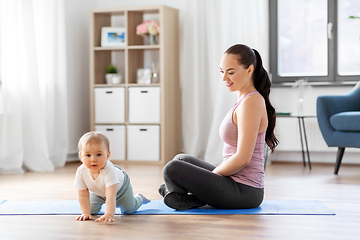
[(339, 121)]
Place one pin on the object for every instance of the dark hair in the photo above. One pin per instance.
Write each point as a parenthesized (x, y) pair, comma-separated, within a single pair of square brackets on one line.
[(246, 57)]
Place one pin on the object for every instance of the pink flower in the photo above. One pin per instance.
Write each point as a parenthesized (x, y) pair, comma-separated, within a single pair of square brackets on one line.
[(141, 29), (148, 27)]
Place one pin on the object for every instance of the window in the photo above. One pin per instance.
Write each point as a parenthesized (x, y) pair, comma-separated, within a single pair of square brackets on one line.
[(314, 39)]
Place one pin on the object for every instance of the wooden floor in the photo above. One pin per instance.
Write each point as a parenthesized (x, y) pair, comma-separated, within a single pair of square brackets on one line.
[(341, 193)]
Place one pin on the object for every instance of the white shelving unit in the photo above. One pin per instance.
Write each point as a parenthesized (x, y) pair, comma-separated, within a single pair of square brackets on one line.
[(142, 121)]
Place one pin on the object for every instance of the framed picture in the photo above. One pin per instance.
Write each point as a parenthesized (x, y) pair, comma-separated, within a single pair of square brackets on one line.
[(143, 76), (112, 36)]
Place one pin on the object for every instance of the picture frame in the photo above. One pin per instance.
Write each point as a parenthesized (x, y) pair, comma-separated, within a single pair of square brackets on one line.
[(143, 76), (113, 36)]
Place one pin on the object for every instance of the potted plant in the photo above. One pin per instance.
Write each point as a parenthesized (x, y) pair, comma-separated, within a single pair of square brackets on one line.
[(112, 76)]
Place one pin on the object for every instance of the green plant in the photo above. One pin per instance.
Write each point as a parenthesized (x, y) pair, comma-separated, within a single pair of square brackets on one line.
[(111, 69)]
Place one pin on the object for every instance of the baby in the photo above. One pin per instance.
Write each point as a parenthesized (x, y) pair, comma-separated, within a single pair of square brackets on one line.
[(107, 183)]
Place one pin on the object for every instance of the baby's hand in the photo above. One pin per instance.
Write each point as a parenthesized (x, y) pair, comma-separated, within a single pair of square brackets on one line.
[(107, 218), (84, 217)]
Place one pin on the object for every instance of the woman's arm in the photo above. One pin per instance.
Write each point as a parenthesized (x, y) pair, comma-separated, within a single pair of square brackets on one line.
[(248, 118), (110, 204), (84, 201)]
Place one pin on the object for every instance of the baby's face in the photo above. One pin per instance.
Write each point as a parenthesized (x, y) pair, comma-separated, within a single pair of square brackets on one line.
[(94, 156)]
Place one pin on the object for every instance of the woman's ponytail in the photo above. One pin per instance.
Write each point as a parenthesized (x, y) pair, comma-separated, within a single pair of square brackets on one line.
[(262, 84)]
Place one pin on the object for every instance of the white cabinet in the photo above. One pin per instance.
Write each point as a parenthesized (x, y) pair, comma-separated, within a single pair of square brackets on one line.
[(144, 105), (109, 105), (143, 143), (116, 136)]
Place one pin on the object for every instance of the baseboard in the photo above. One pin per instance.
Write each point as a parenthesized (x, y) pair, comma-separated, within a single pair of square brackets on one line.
[(72, 157), (350, 156), (274, 162)]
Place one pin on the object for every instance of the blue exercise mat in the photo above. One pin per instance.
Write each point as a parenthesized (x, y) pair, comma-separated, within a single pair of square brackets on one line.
[(157, 207)]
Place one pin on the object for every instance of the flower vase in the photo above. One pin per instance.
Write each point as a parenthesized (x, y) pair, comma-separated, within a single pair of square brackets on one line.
[(152, 39)]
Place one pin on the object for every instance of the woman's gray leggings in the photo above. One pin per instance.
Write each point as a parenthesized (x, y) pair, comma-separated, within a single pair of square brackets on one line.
[(186, 174)]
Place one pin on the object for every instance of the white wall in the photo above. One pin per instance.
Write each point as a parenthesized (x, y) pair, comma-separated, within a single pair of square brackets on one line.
[(77, 41), (289, 149), (286, 98)]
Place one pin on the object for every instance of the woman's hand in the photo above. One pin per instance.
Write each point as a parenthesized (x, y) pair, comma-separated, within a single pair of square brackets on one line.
[(84, 217), (106, 218)]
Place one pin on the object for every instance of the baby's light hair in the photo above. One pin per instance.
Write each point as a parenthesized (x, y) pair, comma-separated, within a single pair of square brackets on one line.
[(93, 137)]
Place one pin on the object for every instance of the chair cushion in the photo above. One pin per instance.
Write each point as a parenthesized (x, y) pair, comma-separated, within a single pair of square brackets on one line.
[(346, 121)]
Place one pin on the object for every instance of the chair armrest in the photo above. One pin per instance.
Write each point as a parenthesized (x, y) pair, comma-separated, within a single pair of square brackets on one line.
[(324, 111)]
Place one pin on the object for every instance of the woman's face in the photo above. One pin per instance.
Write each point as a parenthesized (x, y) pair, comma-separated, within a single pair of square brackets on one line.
[(234, 75)]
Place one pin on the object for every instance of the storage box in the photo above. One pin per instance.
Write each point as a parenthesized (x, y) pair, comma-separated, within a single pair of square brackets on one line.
[(116, 136), (109, 105), (144, 104), (143, 142)]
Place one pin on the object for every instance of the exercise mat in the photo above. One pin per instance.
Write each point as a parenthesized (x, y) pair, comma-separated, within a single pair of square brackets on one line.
[(157, 207)]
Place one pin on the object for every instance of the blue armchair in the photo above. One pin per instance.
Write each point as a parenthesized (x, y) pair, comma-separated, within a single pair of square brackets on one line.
[(339, 121)]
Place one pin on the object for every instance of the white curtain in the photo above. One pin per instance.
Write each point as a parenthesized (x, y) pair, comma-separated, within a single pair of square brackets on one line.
[(208, 28), (33, 130)]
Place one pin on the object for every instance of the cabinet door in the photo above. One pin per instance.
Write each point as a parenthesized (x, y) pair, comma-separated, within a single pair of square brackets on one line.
[(116, 136), (109, 105), (143, 143), (144, 105)]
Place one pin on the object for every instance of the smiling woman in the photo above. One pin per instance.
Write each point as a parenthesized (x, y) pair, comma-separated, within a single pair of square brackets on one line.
[(238, 181)]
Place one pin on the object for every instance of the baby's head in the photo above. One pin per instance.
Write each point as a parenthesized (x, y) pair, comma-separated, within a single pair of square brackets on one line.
[(93, 138)]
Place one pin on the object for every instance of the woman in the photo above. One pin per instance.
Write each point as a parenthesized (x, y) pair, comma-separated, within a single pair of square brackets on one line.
[(238, 182)]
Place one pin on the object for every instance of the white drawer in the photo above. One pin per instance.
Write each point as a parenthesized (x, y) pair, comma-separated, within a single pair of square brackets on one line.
[(144, 105), (109, 105), (116, 136), (143, 142)]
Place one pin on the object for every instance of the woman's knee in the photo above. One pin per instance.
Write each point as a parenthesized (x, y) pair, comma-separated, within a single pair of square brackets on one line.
[(172, 167), (180, 156)]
